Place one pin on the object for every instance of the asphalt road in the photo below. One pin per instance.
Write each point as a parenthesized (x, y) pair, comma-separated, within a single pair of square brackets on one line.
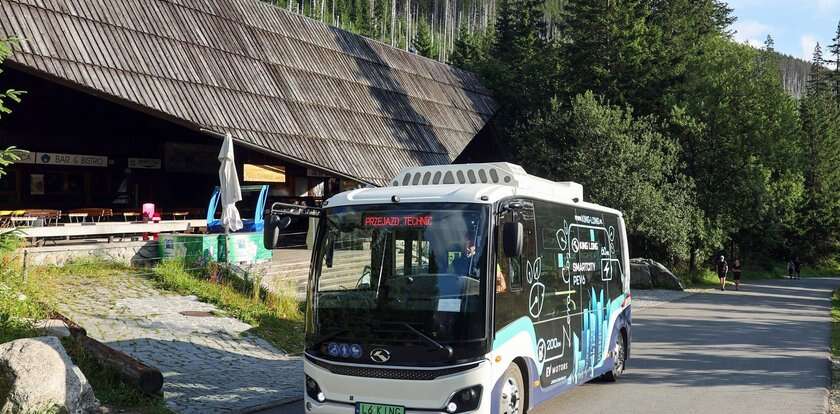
[(762, 350)]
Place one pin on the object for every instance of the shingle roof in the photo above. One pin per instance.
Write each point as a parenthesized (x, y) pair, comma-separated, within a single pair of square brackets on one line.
[(278, 81)]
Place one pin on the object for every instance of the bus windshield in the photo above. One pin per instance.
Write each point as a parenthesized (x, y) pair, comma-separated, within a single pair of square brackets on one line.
[(401, 274)]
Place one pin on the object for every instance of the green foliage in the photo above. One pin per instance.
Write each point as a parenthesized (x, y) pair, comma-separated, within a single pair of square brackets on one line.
[(276, 316), (834, 49), (422, 43), (739, 136), (10, 94), (819, 232), (622, 161)]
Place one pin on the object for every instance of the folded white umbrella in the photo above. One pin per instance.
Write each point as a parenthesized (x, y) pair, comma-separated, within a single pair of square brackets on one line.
[(229, 185)]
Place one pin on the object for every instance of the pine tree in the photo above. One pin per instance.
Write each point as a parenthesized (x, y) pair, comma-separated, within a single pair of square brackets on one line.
[(522, 63), (467, 52), (769, 44), (818, 79), (834, 49), (609, 47), (422, 43)]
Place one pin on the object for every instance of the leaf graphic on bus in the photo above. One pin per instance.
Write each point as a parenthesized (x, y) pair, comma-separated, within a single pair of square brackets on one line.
[(533, 271)]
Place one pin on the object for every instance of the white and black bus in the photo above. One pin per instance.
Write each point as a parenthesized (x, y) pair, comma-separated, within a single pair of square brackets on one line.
[(471, 288)]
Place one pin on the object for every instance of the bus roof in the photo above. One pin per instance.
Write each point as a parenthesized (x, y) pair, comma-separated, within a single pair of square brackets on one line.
[(484, 183)]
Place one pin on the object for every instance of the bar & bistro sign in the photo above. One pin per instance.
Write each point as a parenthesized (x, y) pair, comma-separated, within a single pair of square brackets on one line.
[(52, 158)]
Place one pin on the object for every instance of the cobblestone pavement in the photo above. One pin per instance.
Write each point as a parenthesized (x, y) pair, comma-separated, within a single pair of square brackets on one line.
[(210, 364)]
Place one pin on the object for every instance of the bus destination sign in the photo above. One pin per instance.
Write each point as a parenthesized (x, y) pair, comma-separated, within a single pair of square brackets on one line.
[(397, 220)]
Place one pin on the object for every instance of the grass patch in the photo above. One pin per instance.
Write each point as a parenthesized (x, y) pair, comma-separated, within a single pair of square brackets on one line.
[(108, 387), (276, 318), (20, 304), (25, 299)]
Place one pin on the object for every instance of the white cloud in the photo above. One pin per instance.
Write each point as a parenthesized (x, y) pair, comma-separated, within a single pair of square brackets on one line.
[(828, 5), (808, 43), (751, 32)]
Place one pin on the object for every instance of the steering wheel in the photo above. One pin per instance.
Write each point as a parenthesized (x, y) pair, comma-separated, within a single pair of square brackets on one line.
[(365, 273)]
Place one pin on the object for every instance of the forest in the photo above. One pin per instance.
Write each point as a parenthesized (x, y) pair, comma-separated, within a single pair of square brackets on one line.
[(657, 112), (707, 145)]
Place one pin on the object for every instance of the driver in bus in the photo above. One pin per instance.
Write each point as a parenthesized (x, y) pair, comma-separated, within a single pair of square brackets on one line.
[(462, 264)]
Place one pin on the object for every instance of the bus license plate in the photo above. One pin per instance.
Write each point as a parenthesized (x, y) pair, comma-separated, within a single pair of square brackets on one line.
[(365, 408)]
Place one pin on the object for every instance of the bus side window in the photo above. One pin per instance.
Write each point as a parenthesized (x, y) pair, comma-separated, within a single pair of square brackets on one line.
[(508, 280)]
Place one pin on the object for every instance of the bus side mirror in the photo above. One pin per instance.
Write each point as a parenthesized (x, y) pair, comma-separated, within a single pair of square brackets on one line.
[(272, 228), (512, 234)]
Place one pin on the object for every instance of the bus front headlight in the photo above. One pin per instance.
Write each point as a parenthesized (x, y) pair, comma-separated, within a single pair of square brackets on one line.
[(313, 390), (467, 399)]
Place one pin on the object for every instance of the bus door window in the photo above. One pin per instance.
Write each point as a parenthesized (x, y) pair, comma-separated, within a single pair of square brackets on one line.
[(507, 279)]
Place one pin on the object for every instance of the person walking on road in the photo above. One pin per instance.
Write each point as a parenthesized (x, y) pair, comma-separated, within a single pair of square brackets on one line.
[(790, 269), (736, 273), (797, 266), (722, 269)]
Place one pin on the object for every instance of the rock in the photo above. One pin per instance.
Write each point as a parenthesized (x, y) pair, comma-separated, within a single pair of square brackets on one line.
[(42, 378), (650, 274), (53, 327), (640, 275), (662, 278)]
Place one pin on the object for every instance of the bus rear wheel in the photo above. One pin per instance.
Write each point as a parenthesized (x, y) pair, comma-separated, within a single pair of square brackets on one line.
[(619, 359), (512, 396)]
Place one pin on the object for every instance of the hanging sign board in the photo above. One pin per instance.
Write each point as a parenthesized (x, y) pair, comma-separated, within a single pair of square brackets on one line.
[(144, 163), (26, 158), (52, 158), (264, 173)]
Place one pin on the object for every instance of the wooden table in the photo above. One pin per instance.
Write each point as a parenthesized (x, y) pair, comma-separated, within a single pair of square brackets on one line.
[(28, 221)]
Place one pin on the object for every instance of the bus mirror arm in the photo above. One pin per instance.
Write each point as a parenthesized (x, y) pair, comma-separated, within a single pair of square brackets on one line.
[(279, 218)]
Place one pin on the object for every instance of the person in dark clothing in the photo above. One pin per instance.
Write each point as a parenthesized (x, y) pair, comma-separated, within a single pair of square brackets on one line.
[(797, 266), (736, 273), (790, 269), (722, 268)]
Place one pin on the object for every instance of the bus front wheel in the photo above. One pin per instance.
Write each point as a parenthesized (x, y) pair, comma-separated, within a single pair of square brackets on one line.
[(512, 396)]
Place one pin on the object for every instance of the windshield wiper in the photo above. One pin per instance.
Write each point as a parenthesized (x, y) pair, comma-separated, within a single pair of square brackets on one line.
[(445, 348)]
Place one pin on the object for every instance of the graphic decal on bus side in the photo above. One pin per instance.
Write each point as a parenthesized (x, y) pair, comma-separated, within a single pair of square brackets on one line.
[(574, 289), (574, 325)]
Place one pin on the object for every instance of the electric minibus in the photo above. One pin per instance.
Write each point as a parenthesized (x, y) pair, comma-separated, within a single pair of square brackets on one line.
[(473, 288)]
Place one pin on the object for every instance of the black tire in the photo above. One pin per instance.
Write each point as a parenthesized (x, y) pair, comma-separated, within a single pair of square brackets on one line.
[(512, 395), (620, 355)]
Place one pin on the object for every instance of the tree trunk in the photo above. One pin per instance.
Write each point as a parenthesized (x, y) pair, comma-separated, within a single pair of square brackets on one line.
[(393, 28), (692, 260), (133, 372)]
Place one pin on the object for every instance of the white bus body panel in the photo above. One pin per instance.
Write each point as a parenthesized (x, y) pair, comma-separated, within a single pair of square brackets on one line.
[(342, 392)]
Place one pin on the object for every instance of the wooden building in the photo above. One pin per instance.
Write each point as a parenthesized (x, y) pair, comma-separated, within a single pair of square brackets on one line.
[(131, 98)]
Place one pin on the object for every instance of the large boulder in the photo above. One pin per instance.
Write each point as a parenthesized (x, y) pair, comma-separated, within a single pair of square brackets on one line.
[(40, 377), (640, 275), (647, 274)]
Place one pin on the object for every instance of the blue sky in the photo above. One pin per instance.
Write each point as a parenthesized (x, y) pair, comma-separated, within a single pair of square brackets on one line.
[(796, 25)]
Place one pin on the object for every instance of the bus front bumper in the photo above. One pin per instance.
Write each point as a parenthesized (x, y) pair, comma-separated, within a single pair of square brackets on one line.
[(418, 397)]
